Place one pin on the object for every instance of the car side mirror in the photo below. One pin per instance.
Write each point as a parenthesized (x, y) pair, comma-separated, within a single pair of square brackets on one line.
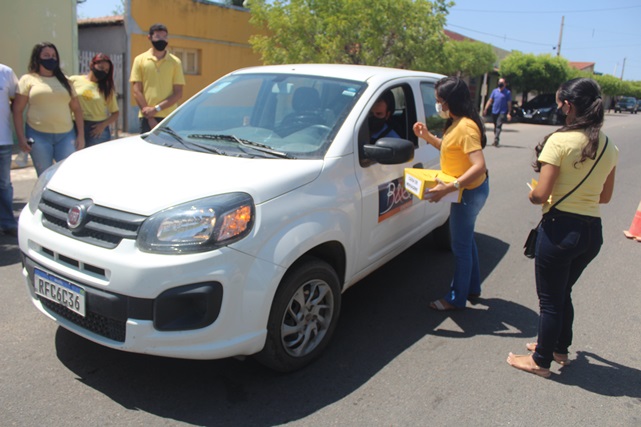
[(389, 151)]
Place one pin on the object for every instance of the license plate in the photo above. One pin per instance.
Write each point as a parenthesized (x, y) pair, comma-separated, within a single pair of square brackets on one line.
[(527, 116), (59, 291)]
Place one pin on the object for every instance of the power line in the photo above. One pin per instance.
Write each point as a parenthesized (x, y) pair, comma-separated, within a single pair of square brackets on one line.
[(501, 37), (545, 11)]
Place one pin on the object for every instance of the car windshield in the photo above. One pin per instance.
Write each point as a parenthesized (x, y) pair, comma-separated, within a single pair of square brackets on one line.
[(262, 115)]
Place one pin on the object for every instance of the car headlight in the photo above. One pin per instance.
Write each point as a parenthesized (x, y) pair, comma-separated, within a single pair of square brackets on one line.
[(39, 188), (198, 226)]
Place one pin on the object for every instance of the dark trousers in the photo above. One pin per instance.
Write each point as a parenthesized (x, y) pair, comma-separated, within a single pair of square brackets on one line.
[(566, 244), (498, 120), (144, 124)]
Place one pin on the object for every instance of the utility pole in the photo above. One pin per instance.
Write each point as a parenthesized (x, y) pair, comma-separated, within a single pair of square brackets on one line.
[(558, 47), (623, 68)]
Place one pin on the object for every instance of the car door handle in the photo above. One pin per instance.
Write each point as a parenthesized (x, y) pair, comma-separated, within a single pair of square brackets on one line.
[(418, 166)]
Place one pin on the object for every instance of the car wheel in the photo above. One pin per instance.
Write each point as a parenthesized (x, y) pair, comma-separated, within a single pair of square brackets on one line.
[(303, 316)]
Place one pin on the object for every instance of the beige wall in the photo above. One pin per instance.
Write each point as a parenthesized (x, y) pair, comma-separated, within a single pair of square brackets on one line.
[(23, 23)]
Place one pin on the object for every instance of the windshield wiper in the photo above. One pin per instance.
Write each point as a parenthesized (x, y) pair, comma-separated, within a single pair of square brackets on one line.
[(244, 142), (188, 144)]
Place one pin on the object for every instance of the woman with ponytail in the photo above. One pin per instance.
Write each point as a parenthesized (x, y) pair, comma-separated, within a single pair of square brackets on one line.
[(462, 157), (570, 234), (52, 110), (97, 98)]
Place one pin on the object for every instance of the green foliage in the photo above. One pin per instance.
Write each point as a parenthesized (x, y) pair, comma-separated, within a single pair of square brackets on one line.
[(467, 58), (540, 73), (389, 33)]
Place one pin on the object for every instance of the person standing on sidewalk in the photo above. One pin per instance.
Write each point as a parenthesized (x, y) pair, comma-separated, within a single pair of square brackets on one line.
[(501, 102), (8, 87), (53, 108), (157, 80), (97, 96)]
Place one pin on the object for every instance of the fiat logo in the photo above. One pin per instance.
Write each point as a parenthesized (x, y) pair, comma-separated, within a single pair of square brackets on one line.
[(75, 216)]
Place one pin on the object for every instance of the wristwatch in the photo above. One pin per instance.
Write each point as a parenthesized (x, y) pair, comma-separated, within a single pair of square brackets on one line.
[(457, 184), (157, 108)]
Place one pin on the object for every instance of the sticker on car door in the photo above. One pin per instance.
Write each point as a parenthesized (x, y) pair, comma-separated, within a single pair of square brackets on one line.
[(392, 199)]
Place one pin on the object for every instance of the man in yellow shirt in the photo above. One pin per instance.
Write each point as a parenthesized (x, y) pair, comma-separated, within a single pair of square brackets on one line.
[(157, 79)]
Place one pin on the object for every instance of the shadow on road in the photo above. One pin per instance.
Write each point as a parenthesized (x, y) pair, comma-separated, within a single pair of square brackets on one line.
[(382, 316), (601, 376)]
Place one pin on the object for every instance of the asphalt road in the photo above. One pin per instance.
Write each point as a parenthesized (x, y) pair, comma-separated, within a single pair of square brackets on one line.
[(393, 362)]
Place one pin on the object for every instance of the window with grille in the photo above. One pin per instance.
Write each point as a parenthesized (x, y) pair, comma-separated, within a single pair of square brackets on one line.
[(190, 59)]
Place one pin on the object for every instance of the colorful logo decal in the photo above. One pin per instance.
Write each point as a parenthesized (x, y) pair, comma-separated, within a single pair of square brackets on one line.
[(392, 198)]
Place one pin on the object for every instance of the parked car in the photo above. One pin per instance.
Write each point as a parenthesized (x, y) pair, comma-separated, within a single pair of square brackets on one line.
[(541, 109), (235, 225), (626, 103)]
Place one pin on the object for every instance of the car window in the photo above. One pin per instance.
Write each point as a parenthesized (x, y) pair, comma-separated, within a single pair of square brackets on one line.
[(434, 122), (401, 120), (292, 114)]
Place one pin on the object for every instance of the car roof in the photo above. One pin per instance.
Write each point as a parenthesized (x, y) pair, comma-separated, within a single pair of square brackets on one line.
[(352, 72)]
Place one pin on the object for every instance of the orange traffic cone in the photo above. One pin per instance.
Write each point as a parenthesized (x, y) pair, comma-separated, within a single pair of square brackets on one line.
[(635, 229)]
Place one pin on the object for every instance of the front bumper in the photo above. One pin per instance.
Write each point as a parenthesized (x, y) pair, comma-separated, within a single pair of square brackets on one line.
[(196, 306)]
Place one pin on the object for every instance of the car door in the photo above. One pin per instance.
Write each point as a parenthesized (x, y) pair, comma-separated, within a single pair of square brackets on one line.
[(390, 216)]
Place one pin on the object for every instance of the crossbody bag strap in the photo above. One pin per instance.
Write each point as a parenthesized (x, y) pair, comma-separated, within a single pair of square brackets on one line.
[(584, 178)]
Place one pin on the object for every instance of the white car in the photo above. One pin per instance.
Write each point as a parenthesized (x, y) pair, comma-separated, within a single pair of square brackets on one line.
[(235, 225)]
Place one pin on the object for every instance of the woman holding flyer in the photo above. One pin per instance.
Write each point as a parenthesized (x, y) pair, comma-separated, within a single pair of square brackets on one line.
[(461, 157)]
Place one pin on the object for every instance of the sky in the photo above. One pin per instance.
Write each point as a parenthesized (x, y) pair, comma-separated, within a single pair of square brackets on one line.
[(607, 33)]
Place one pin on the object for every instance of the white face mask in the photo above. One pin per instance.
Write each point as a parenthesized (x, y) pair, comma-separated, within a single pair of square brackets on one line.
[(440, 112)]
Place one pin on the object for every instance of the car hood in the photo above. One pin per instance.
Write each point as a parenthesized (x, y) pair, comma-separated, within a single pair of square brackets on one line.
[(138, 177)]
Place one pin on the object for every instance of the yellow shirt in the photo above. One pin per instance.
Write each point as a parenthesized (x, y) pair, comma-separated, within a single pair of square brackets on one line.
[(460, 139), (563, 149), (95, 107), (48, 109), (158, 78)]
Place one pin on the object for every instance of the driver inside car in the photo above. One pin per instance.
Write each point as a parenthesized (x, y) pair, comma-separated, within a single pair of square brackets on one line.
[(379, 115)]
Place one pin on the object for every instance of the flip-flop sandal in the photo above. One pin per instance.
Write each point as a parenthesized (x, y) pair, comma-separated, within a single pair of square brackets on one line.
[(561, 359), (442, 305)]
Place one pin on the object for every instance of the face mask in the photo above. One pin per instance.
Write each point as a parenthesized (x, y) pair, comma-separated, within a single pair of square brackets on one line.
[(440, 112), (375, 124), (99, 74), (50, 64), (501, 85), (159, 44)]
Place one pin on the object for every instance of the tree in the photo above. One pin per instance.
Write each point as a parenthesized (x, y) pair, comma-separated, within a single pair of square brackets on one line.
[(610, 85), (390, 33), (540, 73), (468, 58)]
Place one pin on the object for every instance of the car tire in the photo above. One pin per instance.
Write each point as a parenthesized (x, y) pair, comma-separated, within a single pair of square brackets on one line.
[(303, 316)]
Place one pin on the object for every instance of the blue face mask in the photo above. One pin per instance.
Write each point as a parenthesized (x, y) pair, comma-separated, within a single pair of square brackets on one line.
[(50, 64)]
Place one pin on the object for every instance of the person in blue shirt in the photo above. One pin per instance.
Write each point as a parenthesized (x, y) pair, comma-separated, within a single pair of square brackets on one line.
[(501, 101), (378, 118)]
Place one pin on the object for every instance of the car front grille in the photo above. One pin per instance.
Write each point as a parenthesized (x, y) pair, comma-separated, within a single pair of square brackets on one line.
[(101, 325), (102, 226)]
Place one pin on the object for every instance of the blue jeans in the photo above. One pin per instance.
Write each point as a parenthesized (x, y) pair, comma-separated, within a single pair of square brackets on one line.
[(565, 246), (7, 220), (90, 140), (48, 147), (467, 274)]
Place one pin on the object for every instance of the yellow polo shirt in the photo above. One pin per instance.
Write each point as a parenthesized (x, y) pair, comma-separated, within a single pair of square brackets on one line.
[(95, 107), (48, 109), (158, 78), (563, 149), (460, 139)]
